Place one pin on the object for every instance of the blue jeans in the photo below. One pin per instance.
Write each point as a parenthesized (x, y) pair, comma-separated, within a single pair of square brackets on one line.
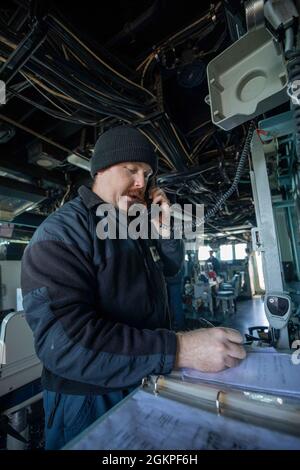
[(68, 415)]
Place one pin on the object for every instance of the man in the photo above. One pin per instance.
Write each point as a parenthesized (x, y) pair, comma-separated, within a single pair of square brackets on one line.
[(98, 307), (214, 261)]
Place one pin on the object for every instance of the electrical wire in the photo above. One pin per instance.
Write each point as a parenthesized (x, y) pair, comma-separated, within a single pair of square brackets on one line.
[(39, 136), (99, 59), (240, 168)]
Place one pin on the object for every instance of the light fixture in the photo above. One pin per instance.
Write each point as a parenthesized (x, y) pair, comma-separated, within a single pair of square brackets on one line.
[(16, 199), (45, 162), (79, 161), (41, 154)]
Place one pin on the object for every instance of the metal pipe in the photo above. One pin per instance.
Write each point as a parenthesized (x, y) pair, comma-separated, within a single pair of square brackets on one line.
[(293, 240), (289, 40), (19, 423), (284, 204)]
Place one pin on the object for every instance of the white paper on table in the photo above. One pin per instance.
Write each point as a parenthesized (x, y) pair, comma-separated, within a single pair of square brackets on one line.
[(145, 421), (270, 372)]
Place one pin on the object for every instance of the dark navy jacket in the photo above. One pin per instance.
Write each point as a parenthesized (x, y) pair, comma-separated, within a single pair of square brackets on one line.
[(97, 308)]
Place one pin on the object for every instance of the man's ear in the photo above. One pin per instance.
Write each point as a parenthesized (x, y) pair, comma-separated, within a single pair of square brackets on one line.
[(95, 178)]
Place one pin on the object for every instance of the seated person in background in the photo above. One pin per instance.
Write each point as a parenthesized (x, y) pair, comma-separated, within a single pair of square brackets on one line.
[(214, 261), (203, 277)]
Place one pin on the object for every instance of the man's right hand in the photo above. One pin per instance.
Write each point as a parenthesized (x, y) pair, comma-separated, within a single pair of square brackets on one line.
[(209, 349)]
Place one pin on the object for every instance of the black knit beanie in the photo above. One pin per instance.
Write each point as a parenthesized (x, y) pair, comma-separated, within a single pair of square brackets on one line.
[(122, 144)]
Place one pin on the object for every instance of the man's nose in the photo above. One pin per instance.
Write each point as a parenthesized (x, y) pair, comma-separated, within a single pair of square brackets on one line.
[(139, 180)]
